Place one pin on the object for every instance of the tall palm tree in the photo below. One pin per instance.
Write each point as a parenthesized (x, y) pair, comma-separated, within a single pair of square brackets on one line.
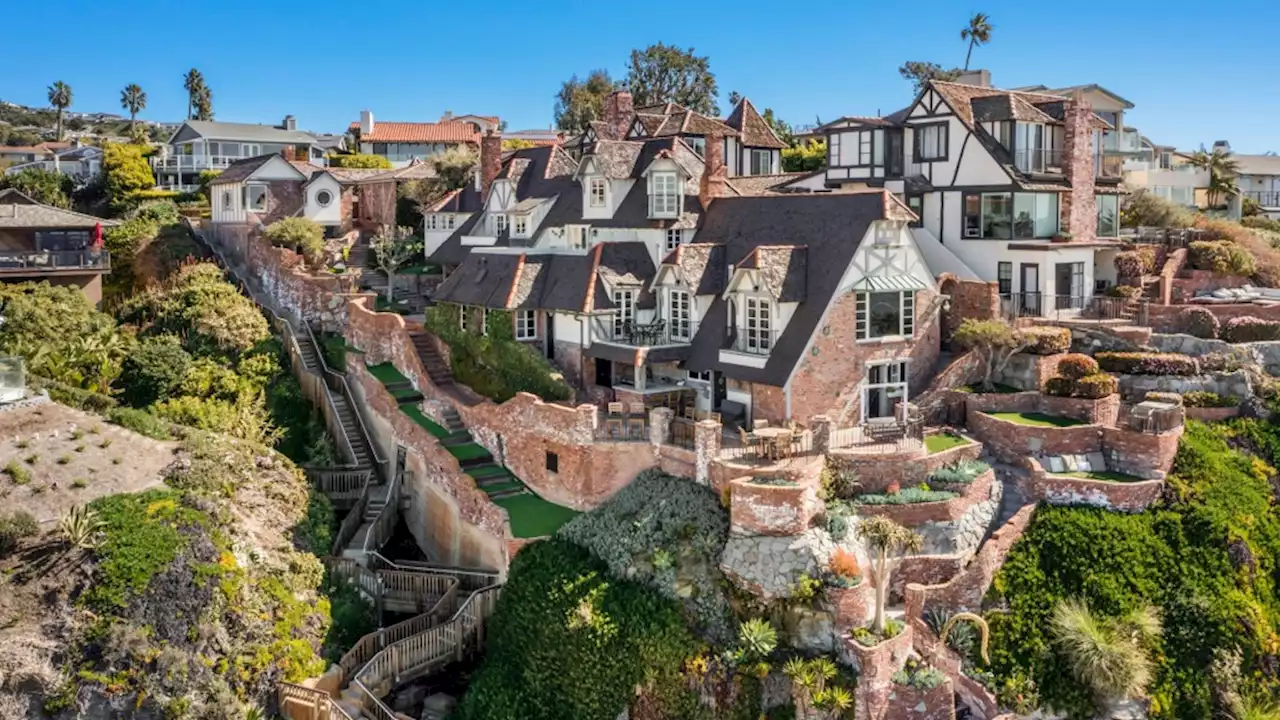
[(204, 103), (1223, 169), (60, 98), (133, 99), (978, 33), (193, 81)]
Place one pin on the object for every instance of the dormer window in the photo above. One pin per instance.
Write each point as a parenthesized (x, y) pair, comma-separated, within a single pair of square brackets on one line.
[(577, 236), (521, 226), (664, 194), (698, 144), (500, 223), (599, 189), (675, 238)]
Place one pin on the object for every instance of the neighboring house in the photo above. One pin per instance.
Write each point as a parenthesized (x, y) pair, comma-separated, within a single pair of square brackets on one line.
[(19, 154), (201, 145), (404, 142), (40, 242), (535, 138), (1118, 141), (999, 179), (81, 163), (1167, 173), (258, 191), (648, 275), (1258, 179)]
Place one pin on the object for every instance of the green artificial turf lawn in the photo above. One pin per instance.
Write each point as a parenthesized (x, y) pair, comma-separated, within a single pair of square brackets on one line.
[(1107, 475), (386, 373), (943, 441), (470, 451), (532, 517), (1000, 388), (1036, 419), (425, 422)]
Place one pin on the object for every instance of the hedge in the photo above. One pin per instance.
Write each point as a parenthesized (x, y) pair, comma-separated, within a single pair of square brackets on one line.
[(72, 396), (1047, 340), (1143, 363), (1202, 399), (1077, 365), (1250, 329), (1198, 322), (1136, 262), (1164, 397), (1090, 387), (1221, 257), (1129, 292)]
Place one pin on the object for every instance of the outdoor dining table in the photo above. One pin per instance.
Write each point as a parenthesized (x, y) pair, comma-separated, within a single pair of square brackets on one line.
[(769, 439)]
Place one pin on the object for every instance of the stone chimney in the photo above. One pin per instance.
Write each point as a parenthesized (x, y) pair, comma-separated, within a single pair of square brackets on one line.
[(490, 160), (618, 109), (714, 173), (290, 122), (447, 116), (366, 122), (981, 78), (1079, 212), (290, 153)]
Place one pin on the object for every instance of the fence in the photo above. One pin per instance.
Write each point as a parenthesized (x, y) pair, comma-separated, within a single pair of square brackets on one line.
[(680, 433), (770, 448), (880, 439), (352, 523), (1074, 307), (318, 704), (26, 260)]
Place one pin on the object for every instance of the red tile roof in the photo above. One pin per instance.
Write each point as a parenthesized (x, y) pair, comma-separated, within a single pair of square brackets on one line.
[(420, 132)]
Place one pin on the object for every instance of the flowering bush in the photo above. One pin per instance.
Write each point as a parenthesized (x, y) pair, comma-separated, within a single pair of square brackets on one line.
[(1142, 363), (1222, 257), (1047, 340), (1090, 387), (1198, 322), (1136, 262), (843, 567), (1076, 366), (1201, 399), (1250, 329), (1220, 362)]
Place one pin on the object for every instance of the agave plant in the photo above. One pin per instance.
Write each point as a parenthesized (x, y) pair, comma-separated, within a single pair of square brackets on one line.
[(80, 527), (756, 639), (977, 620)]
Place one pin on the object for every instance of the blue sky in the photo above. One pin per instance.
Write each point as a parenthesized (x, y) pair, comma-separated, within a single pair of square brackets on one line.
[(1196, 72)]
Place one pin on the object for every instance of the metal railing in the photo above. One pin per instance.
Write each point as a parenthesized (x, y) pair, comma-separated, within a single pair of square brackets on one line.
[(337, 382), (1074, 307), (1172, 238), (752, 341), (1108, 166), (680, 433), (880, 437), (636, 334), (384, 524), (27, 260), (767, 450), (1265, 198), (1046, 160), (194, 162)]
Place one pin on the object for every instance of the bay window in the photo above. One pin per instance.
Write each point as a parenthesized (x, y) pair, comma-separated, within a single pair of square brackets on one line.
[(867, 147), (1009, 216), (884, 314), (664, 194), (526, 325)]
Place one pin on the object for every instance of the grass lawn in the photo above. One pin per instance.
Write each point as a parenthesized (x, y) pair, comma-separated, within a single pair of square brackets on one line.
[(1106, 475), (1000, 388), (532, 517), (386, 373), (470, 451), (1036, 419), (938, 442), (425, 422)]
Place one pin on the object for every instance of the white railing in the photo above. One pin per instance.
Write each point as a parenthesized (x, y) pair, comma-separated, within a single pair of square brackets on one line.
[(194, 162)]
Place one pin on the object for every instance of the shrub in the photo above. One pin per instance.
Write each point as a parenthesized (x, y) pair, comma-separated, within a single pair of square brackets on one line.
[(1047, 340), (1139, 261), (906, 496), (844, 565), (1220, 362), (154, 371), (960, 473), (1222, 257), (160, 212), (141, 422), (1059, 386), (496, 367), (299, 234), (1260, 222), (1202, 399), (1077, 365), (918, 675), (71, 396), (1096, 386), (360, 161), (14, 527), (1164, 397), (1250, 329), (1198, 322), (1143, 363), (1144, 209), (1266, 257), (18, 474), (1128, 292)]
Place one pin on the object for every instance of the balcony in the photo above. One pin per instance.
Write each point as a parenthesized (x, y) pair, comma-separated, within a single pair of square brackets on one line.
[(27, 262), (193, 163), (658, 333), (1039, 160), (1265, 198)]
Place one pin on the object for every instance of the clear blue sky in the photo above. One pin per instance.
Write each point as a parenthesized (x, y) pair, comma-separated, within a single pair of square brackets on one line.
[(1196, 71)]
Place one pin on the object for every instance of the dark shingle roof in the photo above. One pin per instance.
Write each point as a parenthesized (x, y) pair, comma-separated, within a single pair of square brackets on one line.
[(242, 169), (756, 131)]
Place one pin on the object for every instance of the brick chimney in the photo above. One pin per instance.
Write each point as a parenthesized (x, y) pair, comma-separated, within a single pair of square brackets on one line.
[(1079, 212), (290, 153), (490, 160), (618, 109), (714, 173)]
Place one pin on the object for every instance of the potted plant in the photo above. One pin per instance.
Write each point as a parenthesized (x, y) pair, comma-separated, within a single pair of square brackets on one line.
[(1063, 236)]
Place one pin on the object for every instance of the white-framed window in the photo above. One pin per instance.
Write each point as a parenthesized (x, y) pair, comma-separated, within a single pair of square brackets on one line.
[(433, 222), (884, 388), (675, 238), (526, 325), (680, 315), (462, 317), (759, 329), (599, 192), (700, 375), (931, 142), (576, 236), (761, 162), (499, 223), (664, 194), (885, 314), (323, 198), (521, 224), (449, 220), (484, 321), (624, 313), (698, 145), (255, 197)]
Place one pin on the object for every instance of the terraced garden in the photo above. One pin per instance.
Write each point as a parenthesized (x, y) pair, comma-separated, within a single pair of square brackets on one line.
[(1034, 419)]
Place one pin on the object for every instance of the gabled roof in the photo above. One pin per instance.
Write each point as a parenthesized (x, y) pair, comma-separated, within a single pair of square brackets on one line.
[(967, 100), (781, 268), (217, 130), (675, 119), (700, 266), (420, 132), (241, 170), (755, 130), (20, 211)]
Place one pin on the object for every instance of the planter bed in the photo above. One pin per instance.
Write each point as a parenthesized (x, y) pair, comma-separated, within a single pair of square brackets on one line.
[(940, 442), (1035, 419), (999, 389), (1085, 489), (1101, 476), (944, 506)]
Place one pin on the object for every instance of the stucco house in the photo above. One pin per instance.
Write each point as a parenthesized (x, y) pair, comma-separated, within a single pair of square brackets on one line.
[(404, 142), (200, 145)]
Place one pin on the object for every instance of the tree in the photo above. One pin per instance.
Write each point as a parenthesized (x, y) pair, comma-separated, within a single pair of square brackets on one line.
[(1110, 657), (300, 234), (517, 144), (977, 33), (133, 99), (580, 102), (126, 170), (810, 156), (780, 127), (60, 99), (665, 73), (453, 170), (204, 104), (735, 97), (43, 186), (153, 371), (1223, 170), (888, 542), (920, 73), (994, 341), (360, 161), (193, 82), (392, 248)]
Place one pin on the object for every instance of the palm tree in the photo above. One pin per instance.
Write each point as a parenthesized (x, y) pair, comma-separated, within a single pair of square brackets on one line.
[(978, 33), (60, 98), (888, 542), (1223, 169), (193, 81), (1110, 657), (204, 103), (133, 99)]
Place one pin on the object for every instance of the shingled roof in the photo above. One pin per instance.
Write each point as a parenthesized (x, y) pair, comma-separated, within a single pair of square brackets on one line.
[(755, 130), (19, 211)]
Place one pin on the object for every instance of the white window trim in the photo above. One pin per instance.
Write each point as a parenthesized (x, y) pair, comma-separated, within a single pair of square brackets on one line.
[(327, 192), (484, 321), (499, 223), (678, 235), (462, 318), (625, 300), (664, 195), (433, 221), (266, 196), (760, 339), (906, 317), (680, 314), (449, 220), (601, 199), (901, 383), (526, 325), (520, 225)]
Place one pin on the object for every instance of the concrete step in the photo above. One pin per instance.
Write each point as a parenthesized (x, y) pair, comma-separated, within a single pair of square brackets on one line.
[(507, 493)]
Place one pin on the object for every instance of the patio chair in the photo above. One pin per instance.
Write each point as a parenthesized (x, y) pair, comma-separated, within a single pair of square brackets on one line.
[(782, 446), (689, 412), (613, 424), (748, 443), (761, 423), (637, 409)]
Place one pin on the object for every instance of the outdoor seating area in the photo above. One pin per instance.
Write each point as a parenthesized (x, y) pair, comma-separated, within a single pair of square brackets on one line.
[(1172, 237), (624, 421), (767, 443)]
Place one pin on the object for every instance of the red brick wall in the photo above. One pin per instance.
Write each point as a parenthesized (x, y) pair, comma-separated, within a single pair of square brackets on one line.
[(772, 509), (908, 703), (876, 472), (1038, 486), (853, 607), (973, 299), (281, 273), (770, 403), (924, 570), (1009, 441), (916, 514), (1148, 455), (1103, 411), (965, 591), (377, 204), (1173, 265), (1212, 414), (1193, 282), (876, 667), (1079, 204), (982, 702)]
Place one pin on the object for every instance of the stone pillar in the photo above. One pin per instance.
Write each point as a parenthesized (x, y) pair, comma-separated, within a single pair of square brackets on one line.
[(1079, 206), (584, 428), (821, 425), (706, 447), (659, 426)]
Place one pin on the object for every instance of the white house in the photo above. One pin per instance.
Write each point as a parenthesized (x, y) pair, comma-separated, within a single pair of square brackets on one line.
[(267, 188), (81, 163), (201, 145), (1258, 179)]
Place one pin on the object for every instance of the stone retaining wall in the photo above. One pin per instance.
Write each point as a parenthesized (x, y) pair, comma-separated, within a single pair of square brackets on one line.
[(981, 702), (852, 607), (1102, 411), (965, 590), (1134, 388), (1029, 372), (915, 514), (876, 666), (1039, 486), (908, 703), (1009, 441)]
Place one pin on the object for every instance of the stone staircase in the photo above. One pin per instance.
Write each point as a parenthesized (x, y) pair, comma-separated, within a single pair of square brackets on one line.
[(360, 261), (435, 365)]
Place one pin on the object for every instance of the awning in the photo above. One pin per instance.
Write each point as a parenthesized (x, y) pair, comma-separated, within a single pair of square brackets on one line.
[(890, 283)]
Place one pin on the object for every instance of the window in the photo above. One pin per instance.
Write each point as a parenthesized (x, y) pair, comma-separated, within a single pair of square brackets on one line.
[(462, 318), (698, 145), (449, 220), (931, 142), (679, 315), (599, 189), (226, 200), (526, 325), (916, 203), (884, 314), (1166, 160), (664, 195), (700, 375), (553, 462), (833, 150), (624, 303), (522, 225), (675, 237), (1035, 215), (1005, 216), (1004, 276), (433, 222), (1108, 215), (379, 148), (577, 236), (884, 388), (759, 335), (500, 222), (255, 198), (761, 162), (323, 198)]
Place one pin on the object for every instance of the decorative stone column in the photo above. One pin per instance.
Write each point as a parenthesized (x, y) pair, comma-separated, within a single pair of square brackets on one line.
[(584, 427), (821, 425), (659, 426), (706, 447)]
